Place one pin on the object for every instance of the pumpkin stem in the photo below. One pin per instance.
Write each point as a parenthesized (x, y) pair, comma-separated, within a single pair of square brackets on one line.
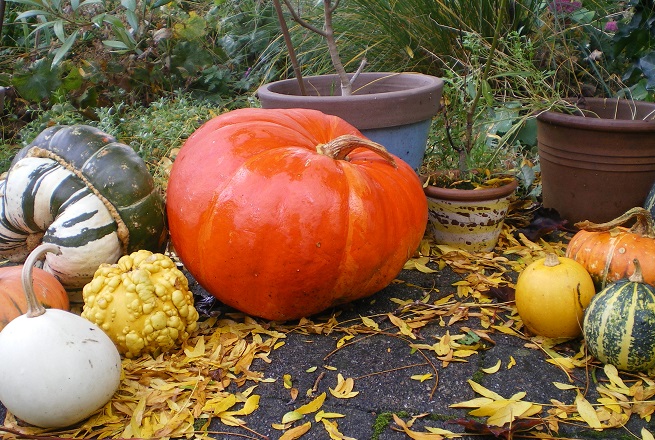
[(551, 260), (339, 148), (34, 306), (636, 276), (643, 226)]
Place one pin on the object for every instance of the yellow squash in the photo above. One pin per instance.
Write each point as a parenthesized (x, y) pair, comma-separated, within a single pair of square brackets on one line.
[(551, 296)]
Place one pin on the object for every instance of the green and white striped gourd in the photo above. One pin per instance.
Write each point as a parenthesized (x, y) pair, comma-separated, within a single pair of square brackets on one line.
[(649, 204), (78, 188), (619, 324)]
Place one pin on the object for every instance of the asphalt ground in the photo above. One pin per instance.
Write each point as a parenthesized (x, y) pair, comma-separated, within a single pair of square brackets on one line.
[(392, 378), (383, 365)]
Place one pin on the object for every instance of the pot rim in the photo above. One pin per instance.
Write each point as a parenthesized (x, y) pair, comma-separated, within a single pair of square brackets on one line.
[(589, 121), (404, 98), (471, 195)]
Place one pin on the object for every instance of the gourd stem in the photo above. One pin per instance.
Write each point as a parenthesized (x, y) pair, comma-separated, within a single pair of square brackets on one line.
[(34, 306), (551, 260), (637, 276), (643, 226), (339, 148)]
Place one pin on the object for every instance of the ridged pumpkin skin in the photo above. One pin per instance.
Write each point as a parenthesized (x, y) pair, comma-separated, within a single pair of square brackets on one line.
[(607, 250), (619, 326), (551, 296), (13, 303), (78, 188), (273, 228)]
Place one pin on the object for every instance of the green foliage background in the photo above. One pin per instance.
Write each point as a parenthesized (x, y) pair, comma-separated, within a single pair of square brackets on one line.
[(108, 62)]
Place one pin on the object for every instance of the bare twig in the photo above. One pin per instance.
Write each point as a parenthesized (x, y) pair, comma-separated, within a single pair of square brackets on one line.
[(289, 44), (328, 34)]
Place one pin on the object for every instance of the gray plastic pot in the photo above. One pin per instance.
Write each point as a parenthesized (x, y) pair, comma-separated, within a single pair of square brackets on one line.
[(392, 109)]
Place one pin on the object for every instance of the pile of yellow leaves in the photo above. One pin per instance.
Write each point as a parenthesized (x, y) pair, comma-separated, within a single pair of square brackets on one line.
[(178, 393)]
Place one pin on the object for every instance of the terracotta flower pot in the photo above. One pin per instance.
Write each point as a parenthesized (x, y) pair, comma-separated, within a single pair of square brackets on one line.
[(468, 219), (392, 109), (597, 164)]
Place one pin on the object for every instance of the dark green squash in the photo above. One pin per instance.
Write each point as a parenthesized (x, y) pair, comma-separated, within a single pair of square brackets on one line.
[(619, 324), (649, 204), (78, 188)]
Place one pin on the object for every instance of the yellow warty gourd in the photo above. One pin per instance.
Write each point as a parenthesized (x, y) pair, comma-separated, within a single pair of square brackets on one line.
[(142, 302)]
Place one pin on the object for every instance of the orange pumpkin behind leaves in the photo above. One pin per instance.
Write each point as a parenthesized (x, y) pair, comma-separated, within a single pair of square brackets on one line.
[(607, 250), (48, 289)]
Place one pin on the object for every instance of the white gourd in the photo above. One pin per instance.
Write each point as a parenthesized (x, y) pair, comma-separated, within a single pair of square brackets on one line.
[(57, 368)]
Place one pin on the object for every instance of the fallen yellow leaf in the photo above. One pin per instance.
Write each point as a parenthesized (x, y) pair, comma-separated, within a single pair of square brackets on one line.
[(344, 388), (564, 386), (297, 432), (368, 322), (492, 370), (312, 406), (343, 340), (415, 435), (404, 328), (329, 415), (587, 412), (333, 430), (422, 377)]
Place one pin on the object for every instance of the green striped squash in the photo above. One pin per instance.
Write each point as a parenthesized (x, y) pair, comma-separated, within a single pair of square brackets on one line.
[(78, 188), (619, 324), (649, 204)]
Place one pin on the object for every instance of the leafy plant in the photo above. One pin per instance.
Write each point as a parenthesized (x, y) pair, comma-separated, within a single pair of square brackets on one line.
[(635, 42), (155, 132), (489, 103), (426, 33)]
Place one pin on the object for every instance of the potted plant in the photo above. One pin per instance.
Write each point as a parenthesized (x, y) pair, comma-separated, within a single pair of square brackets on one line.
[(483, 121), (590, 145), (393, 109)]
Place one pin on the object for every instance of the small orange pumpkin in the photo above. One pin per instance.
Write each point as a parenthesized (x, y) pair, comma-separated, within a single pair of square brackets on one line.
[(607, 250), (48, 289)]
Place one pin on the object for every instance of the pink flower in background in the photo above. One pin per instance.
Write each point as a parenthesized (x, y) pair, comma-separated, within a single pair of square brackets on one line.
[(564, 6), (611, 26)]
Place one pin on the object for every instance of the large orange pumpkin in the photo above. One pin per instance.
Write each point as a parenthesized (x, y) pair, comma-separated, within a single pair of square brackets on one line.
[(607, 250), (276, 216), (13, 303)]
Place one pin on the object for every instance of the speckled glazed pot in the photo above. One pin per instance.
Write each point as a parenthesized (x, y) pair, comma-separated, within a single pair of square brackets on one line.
[(468, 219)]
